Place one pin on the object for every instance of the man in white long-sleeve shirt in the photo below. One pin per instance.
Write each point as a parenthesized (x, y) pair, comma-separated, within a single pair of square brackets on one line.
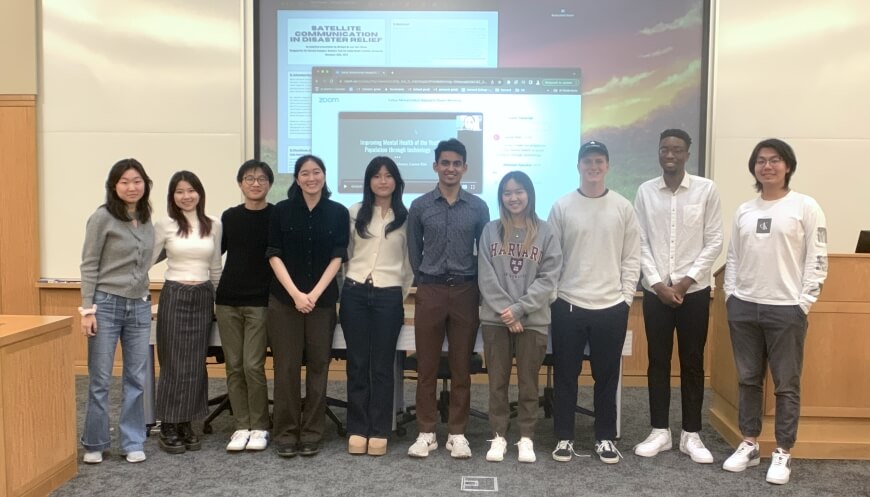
[(598, 232), (777, 262), (680, 238)]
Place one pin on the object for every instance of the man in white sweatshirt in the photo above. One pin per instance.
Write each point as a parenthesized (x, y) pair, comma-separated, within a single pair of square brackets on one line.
[(600, 241), (777, 262)]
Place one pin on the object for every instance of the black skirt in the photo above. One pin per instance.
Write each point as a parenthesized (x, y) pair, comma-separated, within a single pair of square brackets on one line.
[(184, 321)]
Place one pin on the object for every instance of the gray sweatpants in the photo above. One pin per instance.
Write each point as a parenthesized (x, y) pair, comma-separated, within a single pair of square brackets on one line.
[(761, 335)]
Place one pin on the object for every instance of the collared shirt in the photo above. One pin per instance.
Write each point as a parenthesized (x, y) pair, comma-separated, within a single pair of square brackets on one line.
[(381, 257), (680, 232), (442, 238), (306, 241)]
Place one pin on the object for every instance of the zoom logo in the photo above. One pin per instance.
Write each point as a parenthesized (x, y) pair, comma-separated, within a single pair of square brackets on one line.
[(327, 100)]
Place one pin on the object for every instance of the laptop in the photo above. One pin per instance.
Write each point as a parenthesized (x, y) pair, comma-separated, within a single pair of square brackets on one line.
[(863, 246)]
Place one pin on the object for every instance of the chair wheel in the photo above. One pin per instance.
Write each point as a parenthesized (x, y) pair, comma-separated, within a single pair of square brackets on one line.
[(401, 431), (207, 429), (342, 432)]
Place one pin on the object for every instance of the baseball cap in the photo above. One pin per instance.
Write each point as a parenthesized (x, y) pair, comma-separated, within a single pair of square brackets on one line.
[(593, 147)]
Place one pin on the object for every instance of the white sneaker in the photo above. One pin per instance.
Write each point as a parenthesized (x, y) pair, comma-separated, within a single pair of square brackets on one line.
[(93, 457), (458, 446), (658, 440), (238, 441), (259, 440), (527, 450), (746, 455), (497, 450), (135, 456), (780, 467), (424, 444), (691, 444)]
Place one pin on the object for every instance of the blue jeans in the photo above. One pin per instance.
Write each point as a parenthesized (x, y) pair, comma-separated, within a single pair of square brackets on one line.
[(371, 319), (130, 321)]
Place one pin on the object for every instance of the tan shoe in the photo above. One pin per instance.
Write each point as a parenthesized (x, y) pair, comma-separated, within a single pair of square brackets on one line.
[(356, 445), (377, 446)]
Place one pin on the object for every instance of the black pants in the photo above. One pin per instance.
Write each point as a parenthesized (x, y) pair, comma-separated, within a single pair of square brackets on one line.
[(604, 331), (691, 320), (371, 319), (292, 337)]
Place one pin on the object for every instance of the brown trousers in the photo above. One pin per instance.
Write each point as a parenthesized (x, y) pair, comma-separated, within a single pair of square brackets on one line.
[(499, 347), (452, 311)]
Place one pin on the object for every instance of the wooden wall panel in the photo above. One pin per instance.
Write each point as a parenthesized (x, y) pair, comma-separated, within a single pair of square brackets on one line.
[(19, 215)]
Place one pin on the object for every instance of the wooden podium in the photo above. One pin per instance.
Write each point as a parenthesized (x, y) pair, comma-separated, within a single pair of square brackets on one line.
[(37, 405), (835, 385)]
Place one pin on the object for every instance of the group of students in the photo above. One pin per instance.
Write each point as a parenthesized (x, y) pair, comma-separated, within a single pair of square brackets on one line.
[(564, 284)]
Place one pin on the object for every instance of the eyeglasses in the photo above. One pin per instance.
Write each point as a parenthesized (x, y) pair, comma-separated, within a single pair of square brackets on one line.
[(773, 161), (250, 180)]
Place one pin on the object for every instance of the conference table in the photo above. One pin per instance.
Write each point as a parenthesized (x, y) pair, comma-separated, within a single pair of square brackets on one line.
[(404, 344)]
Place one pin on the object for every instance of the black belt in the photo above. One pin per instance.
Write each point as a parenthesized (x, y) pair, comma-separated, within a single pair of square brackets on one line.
[(351, 282), (447, 279)]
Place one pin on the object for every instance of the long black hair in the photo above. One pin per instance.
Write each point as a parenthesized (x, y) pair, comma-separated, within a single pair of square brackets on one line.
[(175, 212), (294, 189), (117, 207), (506, 226), (400, 212)]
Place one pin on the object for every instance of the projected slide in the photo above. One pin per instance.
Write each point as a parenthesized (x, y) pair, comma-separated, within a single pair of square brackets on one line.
[(426, 70), (367, 38), (508, 119)]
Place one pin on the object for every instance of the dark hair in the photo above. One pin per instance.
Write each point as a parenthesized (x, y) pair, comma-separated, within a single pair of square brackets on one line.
[(400, 212), (785, 152), (252, 164), (117, 207), (451, 145), (677, 133), (294, 189), (506, 226), (175, 212)]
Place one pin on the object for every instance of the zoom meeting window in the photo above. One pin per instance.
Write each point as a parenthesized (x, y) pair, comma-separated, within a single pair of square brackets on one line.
[(507, 118)]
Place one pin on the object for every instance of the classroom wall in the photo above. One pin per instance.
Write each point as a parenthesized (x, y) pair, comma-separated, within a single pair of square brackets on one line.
[(18, 51), (158, 80), (800, 71)]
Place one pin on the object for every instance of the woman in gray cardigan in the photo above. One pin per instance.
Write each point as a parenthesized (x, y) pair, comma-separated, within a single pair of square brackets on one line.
[(519, 261), (116, 305)]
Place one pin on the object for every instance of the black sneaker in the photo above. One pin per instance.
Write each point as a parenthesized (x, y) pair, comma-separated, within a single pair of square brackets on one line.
[(607, 452), (286, 449), (564, 451), (309, 449)]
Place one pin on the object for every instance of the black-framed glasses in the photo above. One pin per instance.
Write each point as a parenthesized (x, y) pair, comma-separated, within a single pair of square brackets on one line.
[(250, 180)]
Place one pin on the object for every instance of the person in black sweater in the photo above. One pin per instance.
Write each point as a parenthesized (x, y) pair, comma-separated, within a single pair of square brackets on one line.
[(308, 237), (241, 303)]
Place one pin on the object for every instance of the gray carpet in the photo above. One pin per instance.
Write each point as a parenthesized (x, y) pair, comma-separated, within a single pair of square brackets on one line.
[(214, 472)]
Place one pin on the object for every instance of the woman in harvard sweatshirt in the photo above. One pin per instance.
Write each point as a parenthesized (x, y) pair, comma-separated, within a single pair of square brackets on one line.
[(519, 262)]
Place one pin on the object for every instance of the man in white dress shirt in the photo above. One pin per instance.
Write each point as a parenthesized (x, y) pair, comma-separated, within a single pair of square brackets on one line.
[(681, 237)]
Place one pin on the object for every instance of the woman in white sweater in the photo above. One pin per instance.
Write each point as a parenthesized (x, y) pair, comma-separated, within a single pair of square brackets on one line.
[(191, 241), (377, 280)]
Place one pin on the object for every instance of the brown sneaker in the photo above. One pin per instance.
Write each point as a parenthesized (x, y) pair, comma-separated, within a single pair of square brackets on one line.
[(356, 445), (377, 446)]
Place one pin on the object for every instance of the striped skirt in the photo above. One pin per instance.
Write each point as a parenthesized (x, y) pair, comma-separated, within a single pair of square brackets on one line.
[(184, 321)]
